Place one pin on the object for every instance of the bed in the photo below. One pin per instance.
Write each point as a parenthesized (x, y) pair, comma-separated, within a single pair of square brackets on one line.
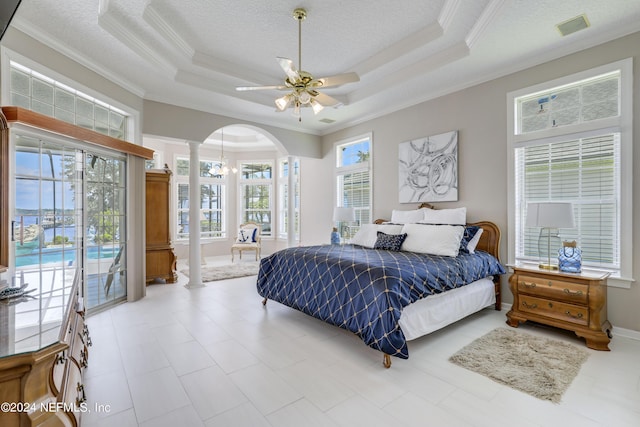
[(385, 297)]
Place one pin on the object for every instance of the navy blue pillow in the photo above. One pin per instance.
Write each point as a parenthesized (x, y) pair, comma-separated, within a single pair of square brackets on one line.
[(469, 232), (389, 242)]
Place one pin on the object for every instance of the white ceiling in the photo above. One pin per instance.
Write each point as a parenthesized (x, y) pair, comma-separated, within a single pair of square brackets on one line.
[(193, 53)]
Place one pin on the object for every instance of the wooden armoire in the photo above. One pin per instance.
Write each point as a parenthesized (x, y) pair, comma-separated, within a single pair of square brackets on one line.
[(161, 259)]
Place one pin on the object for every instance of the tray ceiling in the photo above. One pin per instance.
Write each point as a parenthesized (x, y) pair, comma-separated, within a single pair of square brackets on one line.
[(194, 53)]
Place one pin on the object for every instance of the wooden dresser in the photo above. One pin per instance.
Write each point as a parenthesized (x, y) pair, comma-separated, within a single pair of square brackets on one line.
[(576, 302), (42, 364), (160, 257)]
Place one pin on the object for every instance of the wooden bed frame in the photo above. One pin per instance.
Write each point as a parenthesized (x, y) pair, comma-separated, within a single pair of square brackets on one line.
[(489, 242)]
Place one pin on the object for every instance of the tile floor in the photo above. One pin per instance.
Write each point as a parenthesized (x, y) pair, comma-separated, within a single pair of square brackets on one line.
[(215, 357)]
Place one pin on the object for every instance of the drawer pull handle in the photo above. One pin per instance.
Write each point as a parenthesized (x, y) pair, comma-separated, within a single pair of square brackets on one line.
[(528, 285), (573, 294), (575, 316), (532, 306), (83, 359), (83, 398)]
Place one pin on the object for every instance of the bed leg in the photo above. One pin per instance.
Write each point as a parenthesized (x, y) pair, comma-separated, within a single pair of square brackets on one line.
[(496, 284), (264, 301), (386, 362)]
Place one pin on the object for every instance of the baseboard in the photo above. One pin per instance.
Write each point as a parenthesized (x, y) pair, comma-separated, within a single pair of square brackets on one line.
[(616, 331), (626, 333)]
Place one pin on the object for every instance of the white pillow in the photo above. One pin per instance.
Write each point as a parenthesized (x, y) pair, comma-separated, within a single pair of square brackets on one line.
[(433, 239), (247, 235), (471, 246), (368, 233), (456, 216), (407, 217)]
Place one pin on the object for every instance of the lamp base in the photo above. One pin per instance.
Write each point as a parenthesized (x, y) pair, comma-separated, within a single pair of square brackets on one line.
[(549, 267)]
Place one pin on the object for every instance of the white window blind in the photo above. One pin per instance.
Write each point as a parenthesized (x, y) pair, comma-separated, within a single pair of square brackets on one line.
[(283, 199), (353, 173), (355, 192), (584, 171)]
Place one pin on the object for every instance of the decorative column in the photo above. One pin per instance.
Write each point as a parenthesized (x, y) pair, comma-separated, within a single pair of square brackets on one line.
[(291, 207), (195, 272)]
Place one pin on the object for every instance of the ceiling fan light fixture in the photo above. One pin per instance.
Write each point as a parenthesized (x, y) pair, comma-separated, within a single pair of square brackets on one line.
[(301, 84), (304, 97), (316, 106), (296, 110), (283, 102)]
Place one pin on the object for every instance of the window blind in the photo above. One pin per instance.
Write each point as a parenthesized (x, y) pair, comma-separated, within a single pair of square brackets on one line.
[(355, 192), (584, 171)]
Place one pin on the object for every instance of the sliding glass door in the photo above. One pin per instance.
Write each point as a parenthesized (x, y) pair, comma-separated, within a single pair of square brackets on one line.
[(69, 216), (105, 260)]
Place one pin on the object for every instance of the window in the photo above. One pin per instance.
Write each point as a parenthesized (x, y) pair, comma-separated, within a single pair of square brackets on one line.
[(212, 200), (255, 189), (44, 95), (64, 224), (283, 217), (154, 163), (353, 173), (571, 142)]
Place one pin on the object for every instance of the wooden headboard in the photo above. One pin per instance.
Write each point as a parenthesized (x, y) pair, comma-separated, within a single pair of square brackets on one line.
[(489, 239)]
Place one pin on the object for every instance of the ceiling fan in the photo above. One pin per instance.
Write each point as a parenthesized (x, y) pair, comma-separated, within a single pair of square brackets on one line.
[(301, 84)]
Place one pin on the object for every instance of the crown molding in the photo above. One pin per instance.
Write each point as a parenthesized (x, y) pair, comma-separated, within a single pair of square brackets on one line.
[(110, 23), (435, 61), (401, 48), (486, 18), (448, 12), (164, 28), (230, 69)]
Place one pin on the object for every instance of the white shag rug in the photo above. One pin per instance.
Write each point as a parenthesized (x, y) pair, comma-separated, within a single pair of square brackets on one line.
[(541, 367), (229, 271)]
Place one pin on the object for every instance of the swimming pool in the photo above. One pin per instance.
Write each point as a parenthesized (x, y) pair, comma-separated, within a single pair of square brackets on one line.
[(59, 255)]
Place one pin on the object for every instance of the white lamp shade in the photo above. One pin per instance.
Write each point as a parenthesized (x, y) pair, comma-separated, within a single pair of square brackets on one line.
[(341, 214), (283, 102), (550, 215)]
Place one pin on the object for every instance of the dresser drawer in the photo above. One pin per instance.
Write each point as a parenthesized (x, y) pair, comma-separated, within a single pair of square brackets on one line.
[(553, 309), (557, 289), (74, 396)]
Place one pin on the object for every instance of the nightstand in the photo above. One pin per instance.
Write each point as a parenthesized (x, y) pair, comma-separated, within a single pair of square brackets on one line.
[(576, 302)]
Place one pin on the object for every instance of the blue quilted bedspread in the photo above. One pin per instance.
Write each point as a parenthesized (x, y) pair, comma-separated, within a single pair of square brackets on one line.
[(364, 290)]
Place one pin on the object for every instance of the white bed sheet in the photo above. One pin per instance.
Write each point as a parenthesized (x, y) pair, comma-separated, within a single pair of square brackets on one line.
[(437, 311)]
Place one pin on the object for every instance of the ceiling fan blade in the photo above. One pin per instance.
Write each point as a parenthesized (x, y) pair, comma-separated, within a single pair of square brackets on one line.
[(289, 68), (337, 80), (245, 88), (326, 100)]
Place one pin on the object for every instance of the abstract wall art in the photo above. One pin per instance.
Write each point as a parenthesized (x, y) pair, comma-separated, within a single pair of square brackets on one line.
[(428, 169)]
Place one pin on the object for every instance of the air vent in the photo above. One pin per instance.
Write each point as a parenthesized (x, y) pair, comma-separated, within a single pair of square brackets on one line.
[(327, 121), (574, 24)]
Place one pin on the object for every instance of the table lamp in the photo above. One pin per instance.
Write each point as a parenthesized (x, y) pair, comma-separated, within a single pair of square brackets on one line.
[(549, 216), (342, 214)]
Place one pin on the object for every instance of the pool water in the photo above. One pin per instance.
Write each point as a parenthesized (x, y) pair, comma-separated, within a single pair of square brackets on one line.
[(59, 256)]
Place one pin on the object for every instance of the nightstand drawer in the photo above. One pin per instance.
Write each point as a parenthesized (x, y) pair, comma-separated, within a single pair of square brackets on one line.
[(556, 289), (554, 309)]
